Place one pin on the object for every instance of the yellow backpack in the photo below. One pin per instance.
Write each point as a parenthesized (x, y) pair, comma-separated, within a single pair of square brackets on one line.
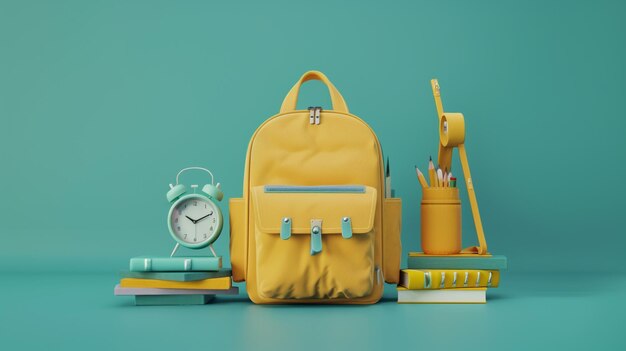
[(313, 225)]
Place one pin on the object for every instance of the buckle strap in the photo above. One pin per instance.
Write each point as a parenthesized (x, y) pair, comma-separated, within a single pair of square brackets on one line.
[(316, 236), (285, 228), (316, 232), (346, 227)]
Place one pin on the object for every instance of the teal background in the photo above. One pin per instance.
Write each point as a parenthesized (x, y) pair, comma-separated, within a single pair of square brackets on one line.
[(101, 103)]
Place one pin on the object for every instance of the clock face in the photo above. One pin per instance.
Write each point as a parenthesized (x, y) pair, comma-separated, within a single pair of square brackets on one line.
[(195, 221)]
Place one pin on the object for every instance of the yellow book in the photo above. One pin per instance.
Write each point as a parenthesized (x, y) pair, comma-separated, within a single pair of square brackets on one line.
[(221, 283), (426, 279)]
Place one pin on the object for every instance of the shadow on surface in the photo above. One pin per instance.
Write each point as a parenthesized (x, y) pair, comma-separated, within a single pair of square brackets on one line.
[(557, 285)]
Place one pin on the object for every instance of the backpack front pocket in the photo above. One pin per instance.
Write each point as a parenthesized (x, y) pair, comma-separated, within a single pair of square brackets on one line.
[(314, 242)]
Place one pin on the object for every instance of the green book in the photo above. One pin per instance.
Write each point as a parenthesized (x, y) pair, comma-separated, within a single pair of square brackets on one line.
[(162, 300), (418, 260), (175, 264), (177, 276)]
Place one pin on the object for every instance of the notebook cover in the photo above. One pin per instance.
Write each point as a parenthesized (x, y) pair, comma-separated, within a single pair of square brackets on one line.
[(221, 283), (453, 296), (420, 279), (418, 260), (163, 300), (177, 276), (175, 264), (119, 291)]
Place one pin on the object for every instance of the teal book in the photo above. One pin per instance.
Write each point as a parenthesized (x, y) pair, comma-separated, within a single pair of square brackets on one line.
[(175, 264), (177, 300), (177, 276), (418, 260)]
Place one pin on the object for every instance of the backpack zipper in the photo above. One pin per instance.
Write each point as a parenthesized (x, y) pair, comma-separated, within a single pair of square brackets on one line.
[(311, 114), (314, 189), (318, 112)]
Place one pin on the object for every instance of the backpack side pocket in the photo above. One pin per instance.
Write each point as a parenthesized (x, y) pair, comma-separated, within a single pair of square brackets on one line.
[(237, 239), (392, 244)]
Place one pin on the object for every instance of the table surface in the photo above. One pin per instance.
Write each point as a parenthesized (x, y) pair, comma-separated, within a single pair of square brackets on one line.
[(529, 311)]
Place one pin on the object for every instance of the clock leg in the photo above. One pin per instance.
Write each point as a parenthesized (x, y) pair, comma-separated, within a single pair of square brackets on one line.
[(174, 251), (212, 250)]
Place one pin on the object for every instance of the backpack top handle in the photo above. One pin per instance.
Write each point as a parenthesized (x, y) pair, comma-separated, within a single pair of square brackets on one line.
[(291, 100)]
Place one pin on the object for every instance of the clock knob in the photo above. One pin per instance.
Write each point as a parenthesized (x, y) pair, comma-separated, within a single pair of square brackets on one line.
[(213, 191), (175, 192)]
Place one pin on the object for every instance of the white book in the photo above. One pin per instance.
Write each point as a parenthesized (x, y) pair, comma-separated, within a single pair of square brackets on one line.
[(469, 295)]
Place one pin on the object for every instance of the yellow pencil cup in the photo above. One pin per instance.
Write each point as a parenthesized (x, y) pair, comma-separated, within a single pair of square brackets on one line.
[(441, 221)]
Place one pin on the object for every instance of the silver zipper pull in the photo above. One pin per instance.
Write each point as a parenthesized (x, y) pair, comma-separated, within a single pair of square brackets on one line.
[(318, 112), (311, 114)]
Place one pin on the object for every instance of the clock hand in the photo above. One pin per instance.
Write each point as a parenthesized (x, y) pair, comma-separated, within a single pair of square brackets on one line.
[(201, 218), (192, 220)]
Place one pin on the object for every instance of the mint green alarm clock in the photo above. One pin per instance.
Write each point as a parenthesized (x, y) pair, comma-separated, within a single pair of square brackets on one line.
[(194, 220)]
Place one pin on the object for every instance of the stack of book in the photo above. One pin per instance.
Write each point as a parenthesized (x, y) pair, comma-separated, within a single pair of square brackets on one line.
[(449, 278), (175, 280)]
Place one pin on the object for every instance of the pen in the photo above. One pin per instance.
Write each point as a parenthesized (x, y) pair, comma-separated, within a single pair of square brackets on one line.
[(387, 181), (439, 177)]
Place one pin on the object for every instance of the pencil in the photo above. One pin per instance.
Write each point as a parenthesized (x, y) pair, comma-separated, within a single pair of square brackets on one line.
[(421, 178), (431, 173), (387, 181), (445, 178)]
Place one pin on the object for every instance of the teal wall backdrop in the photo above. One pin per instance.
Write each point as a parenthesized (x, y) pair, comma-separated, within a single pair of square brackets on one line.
[(102, 103)]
